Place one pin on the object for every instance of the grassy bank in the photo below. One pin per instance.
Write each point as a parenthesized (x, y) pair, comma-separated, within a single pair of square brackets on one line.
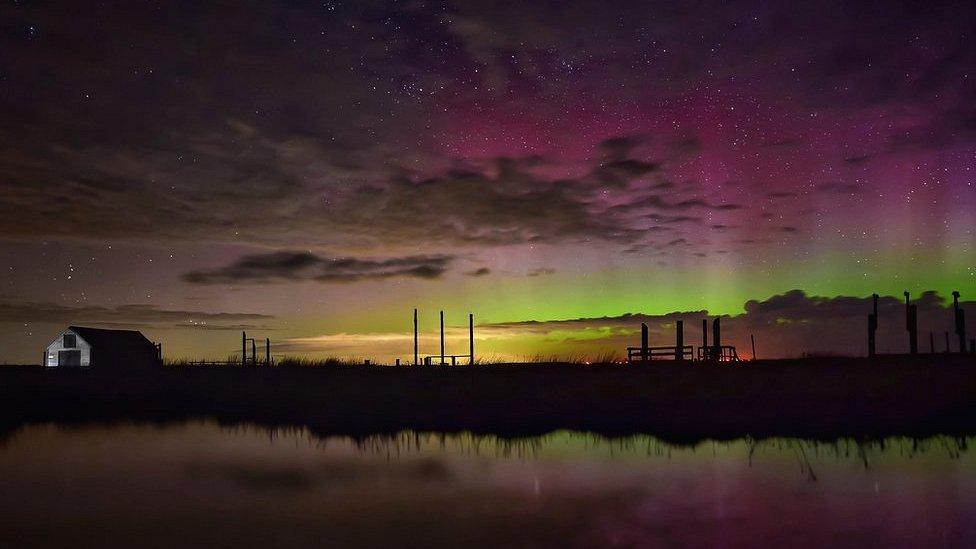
[(814, 398)]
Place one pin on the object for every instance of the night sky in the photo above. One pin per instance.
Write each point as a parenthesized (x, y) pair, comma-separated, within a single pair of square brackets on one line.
[(563, 170)]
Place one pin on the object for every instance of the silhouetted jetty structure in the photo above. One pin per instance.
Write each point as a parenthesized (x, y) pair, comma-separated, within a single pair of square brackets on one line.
[(254, 356), (717, 352), (681, 352), (443, 357)]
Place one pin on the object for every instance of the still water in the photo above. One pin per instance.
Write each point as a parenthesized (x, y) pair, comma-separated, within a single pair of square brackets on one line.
[(205, 484)]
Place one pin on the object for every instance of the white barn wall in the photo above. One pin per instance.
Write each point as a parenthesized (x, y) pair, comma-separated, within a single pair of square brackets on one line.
[(51, 353)]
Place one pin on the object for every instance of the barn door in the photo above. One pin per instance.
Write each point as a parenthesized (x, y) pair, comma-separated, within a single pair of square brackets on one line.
[(69, 358)]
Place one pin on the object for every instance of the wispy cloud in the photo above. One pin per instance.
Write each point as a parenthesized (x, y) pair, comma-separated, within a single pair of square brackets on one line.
[(292, 266), (128, 316)]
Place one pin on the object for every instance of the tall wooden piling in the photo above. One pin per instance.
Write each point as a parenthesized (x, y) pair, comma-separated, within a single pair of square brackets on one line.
[(704, 346), (442, 338), (960, 318), (873, 327), (243, 348), (644, 345), (416, 347), (717, 338), (911, 324), (752, 338), (471, 337), (679, 340), (267, 351)]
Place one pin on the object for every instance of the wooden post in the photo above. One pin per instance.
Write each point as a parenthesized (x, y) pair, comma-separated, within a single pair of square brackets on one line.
[(644, 342), (471, 337), (415, 346), (243, 348), (960, 317), (752, 337), (911, 324), (267, 351), (717, 337), (704, 347), (442, 338), (398, 362), (679, 340), (873, 327), (254, 354)]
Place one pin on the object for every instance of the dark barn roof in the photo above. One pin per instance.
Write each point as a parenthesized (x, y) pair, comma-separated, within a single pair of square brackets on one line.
[(125, 348)]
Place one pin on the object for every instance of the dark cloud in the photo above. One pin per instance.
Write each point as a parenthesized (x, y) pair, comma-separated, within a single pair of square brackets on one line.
[(839, 187), (541, 271), (620, 147), (675, 242), (857, 160), (686, 146), (663, 203), (781, 194), (127, 316), (636, 248), (233, 175), (285, 266), (702, 203), (482, 271), (230, 129), (660, 218)]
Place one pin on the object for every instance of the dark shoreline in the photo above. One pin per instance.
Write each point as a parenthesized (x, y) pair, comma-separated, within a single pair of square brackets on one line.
[(822, 398)]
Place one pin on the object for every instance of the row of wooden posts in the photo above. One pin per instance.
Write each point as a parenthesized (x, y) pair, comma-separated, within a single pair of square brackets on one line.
[(443, 357), (428, 360), (911, 325), (254, 358), (715, 351)]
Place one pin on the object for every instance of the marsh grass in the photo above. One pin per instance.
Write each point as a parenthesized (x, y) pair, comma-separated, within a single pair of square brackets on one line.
[(232, 361)]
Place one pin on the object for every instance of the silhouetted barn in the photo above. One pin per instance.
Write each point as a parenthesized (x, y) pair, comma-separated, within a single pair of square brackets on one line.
[(101, 349)]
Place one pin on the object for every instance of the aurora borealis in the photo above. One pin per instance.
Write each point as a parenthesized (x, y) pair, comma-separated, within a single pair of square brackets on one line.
[(312, 173)]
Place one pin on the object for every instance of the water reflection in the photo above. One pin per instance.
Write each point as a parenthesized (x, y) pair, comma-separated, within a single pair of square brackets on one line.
[(202, 483)]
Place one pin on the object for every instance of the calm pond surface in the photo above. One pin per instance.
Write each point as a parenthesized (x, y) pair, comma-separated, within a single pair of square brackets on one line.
[(204, 484)]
